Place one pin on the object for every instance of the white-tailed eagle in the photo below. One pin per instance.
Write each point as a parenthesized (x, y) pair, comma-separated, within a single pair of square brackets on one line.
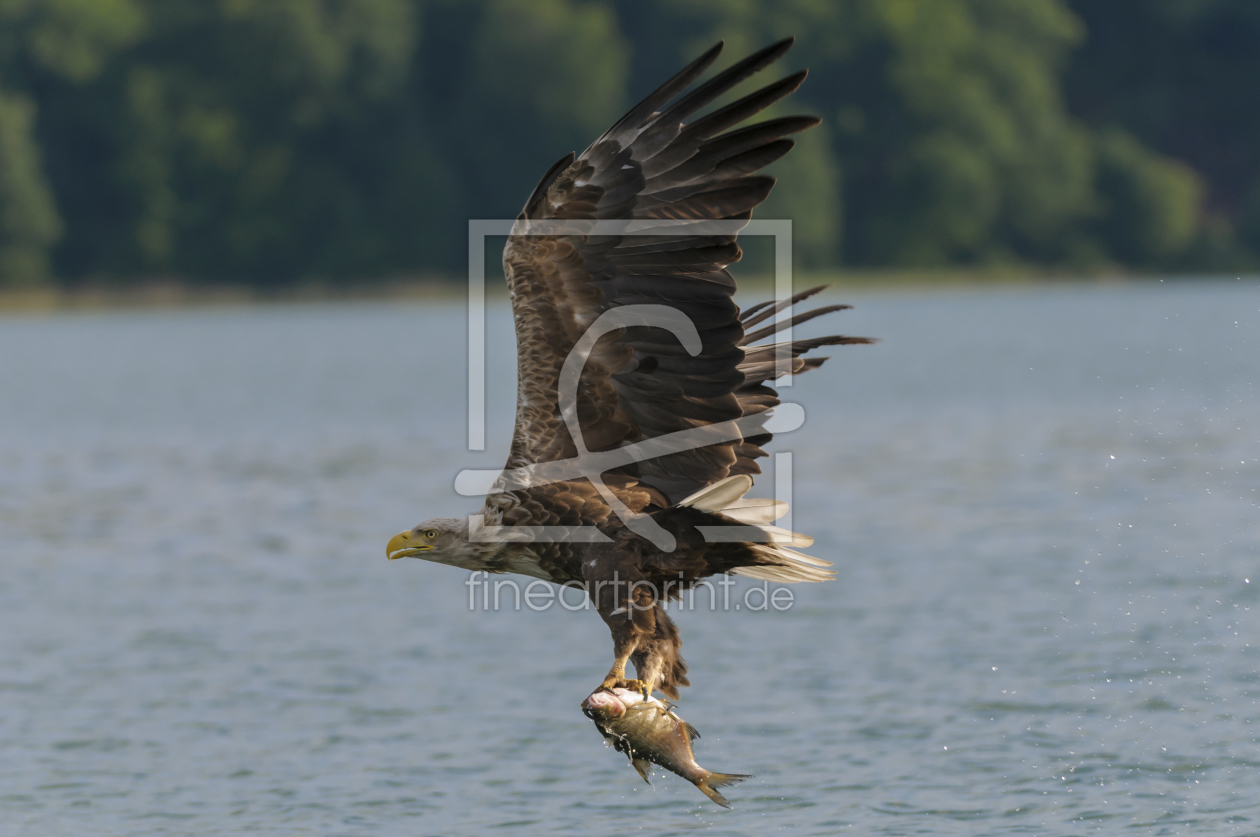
[(684, 369)]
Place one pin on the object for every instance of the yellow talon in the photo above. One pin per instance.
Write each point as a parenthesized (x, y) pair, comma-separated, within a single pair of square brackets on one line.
[(639, 686)]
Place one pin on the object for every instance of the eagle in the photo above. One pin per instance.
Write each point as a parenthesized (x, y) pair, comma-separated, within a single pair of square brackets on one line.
[(642, 388)]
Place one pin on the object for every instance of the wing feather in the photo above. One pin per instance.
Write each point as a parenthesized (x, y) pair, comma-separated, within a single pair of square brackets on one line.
[(639, 383)]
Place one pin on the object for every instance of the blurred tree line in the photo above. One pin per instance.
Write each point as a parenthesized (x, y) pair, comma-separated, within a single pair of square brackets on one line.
[(274, 140)]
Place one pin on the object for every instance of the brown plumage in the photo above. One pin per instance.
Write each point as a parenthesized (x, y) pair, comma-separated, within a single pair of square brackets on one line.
[(660, 163)]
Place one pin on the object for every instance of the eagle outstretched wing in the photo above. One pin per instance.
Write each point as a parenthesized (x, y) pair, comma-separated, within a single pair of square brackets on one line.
[(654, 167)]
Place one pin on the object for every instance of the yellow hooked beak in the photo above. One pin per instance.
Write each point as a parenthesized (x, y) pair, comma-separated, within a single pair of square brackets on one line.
[(401, 546)]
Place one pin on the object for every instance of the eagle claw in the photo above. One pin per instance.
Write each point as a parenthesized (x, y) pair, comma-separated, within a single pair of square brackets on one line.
[(640, 686)]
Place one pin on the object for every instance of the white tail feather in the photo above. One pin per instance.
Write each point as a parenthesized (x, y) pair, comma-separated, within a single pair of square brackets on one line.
[(802, 557), (778, 562), (785, 566), (720, 494), (756, 511), (786, 537), (767, 573)]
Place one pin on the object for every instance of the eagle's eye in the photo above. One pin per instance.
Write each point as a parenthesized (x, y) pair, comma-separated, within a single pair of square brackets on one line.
[(430, 534)]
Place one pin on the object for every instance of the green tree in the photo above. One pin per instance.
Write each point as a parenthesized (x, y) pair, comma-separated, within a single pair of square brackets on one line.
[(950, 142), (1181, 77), (1151, 204), (29, 224), (540, 78), (250, 140), (962, 150), (69, 39), (248, 149), (270, 141)]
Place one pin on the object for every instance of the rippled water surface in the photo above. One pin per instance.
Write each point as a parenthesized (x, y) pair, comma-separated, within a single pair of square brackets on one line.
[(1042, 505)]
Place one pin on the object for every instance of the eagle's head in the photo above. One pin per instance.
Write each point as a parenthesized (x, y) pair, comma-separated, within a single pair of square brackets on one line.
[(442, 539)]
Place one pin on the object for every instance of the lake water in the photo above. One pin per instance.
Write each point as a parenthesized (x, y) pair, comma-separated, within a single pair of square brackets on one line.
[(1041, 503)]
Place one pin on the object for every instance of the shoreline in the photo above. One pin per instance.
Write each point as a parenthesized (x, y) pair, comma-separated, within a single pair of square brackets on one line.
[(173, 295)]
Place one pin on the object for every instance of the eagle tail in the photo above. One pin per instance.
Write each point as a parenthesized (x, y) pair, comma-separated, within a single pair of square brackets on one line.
[(785, 566), (776, 560)]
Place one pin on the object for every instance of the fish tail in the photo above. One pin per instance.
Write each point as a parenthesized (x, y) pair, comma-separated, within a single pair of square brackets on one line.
[(709, 785)]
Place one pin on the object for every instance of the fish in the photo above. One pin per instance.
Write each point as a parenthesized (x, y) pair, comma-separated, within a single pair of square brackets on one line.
[(648, 732)]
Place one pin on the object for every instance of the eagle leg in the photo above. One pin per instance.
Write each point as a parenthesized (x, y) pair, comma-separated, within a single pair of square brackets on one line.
[(625, 641), (639, 686), (627, 635), (627, 604), (657, 658)]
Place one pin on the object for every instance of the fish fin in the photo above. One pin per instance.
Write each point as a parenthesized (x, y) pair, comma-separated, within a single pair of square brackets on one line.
[(644, 767), (640, 707), (692, 732), (709, 785), (721, 780)]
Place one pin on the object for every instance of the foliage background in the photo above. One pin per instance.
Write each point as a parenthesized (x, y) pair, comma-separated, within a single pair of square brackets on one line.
[(273, 141)]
